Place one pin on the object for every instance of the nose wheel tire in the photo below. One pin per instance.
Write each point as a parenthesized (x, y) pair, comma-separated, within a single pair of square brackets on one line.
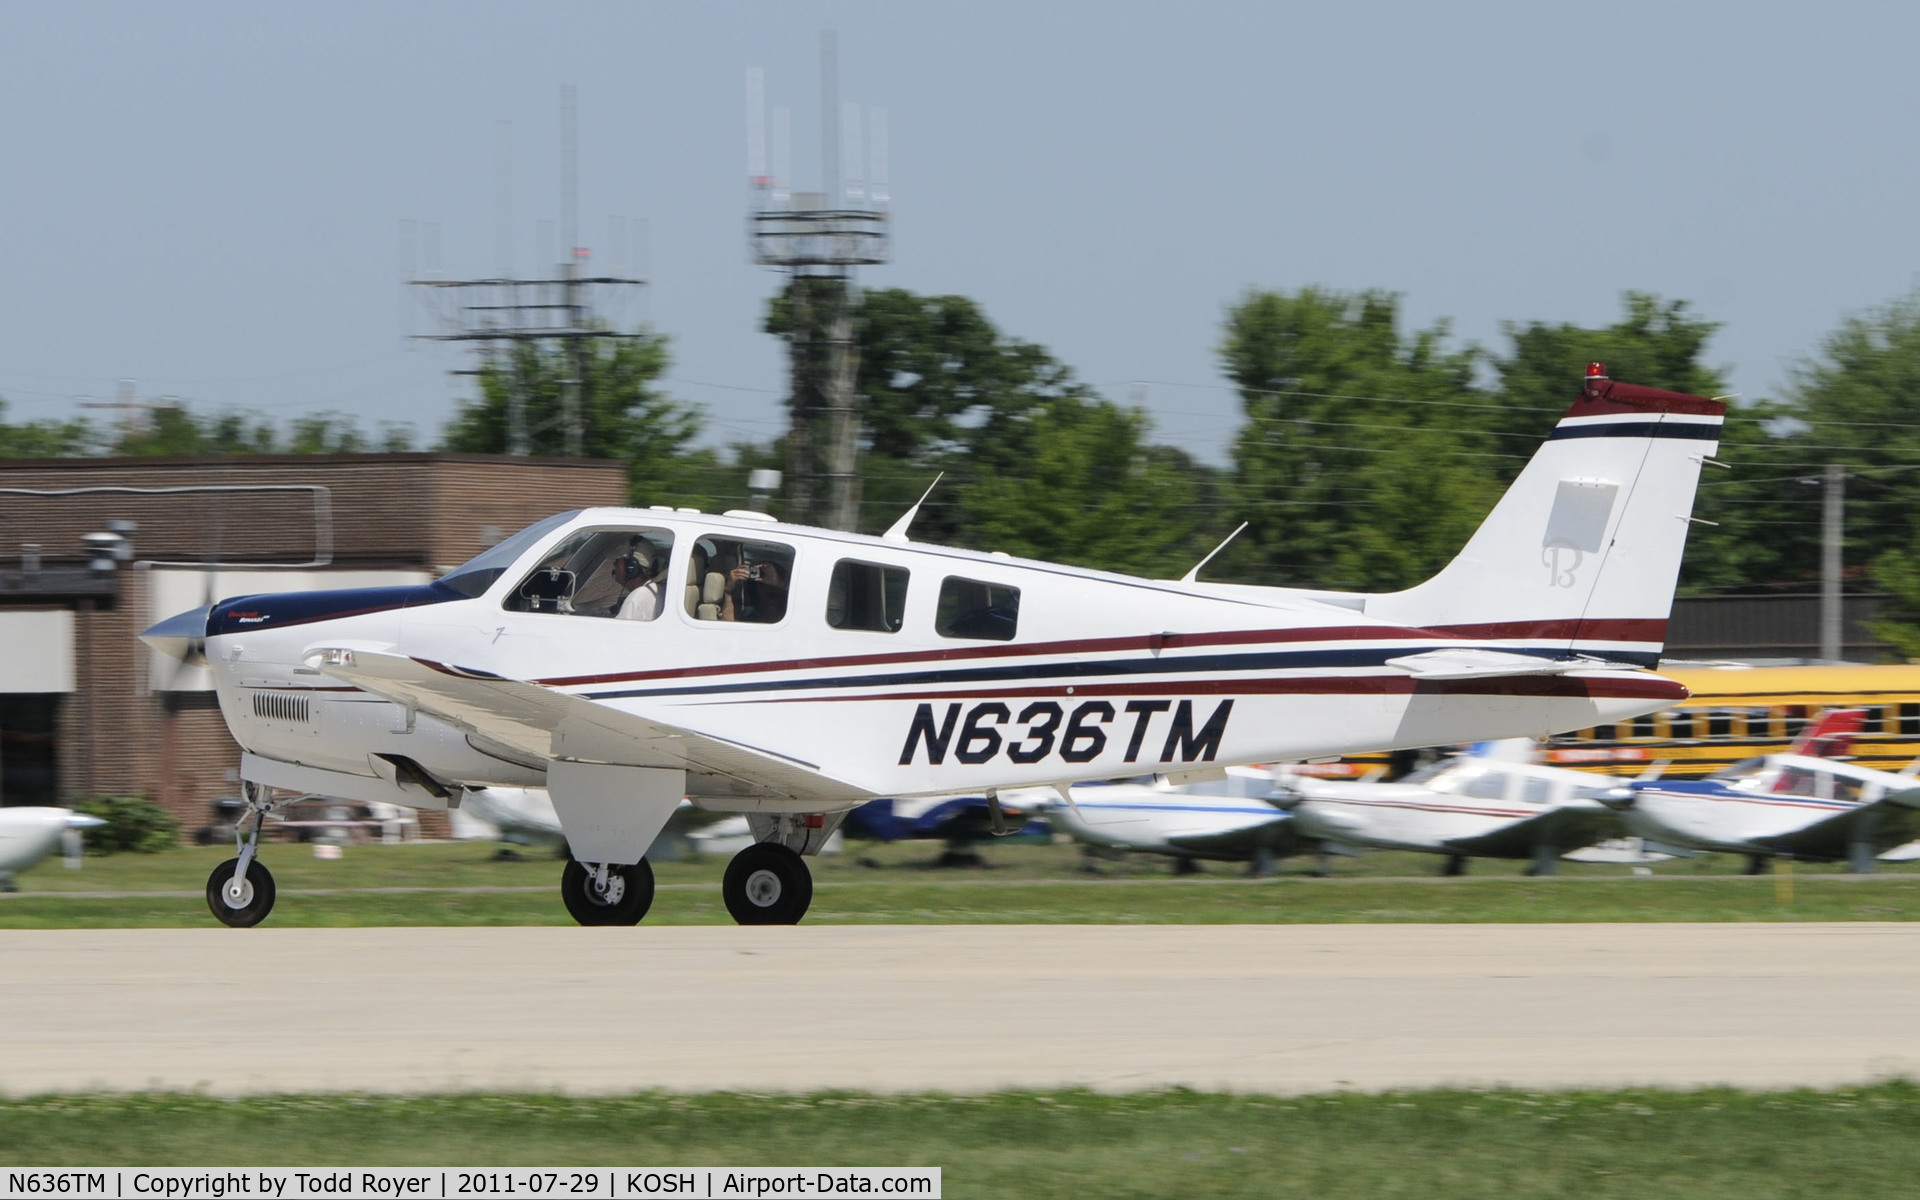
[(627, 896), (245, 905), (767, 884)]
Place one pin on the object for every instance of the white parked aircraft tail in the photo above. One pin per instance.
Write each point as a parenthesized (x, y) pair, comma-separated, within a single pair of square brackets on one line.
[(1582, 553)]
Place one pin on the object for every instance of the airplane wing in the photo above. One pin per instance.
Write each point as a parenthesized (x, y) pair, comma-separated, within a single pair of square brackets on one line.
[(1561, 828), (1885, 823), (545, 723), (1279, 835), (1473, 663)]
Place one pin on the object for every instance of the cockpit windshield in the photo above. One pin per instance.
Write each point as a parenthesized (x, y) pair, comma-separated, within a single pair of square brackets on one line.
[(477, 574)]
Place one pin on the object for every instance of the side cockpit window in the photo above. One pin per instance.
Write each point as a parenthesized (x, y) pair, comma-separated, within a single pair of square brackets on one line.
[(866, 596), (613, 573), (730, 579), (988, 612)]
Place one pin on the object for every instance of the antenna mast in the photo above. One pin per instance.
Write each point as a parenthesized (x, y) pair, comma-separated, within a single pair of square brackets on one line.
[(817, 238), (504, 312)]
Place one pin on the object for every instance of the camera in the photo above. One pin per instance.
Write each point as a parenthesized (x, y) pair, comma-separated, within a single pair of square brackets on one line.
[(753, 573)]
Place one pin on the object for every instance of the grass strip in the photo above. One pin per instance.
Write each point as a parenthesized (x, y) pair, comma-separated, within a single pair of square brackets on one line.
[(1856, 1142), (462, 884)]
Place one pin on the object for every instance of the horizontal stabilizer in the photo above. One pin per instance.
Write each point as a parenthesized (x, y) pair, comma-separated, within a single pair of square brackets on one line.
[(1473, 664)]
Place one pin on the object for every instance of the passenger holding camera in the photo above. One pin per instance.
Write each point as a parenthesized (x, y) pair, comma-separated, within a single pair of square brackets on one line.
[(756, 593)]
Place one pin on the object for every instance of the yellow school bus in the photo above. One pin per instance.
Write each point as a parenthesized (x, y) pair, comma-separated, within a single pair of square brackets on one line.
[(1739, 712), (1734, 713)]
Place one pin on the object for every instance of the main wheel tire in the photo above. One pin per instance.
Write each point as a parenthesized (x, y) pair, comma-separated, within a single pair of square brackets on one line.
[(767, 884), (628, 895), (254, 902)]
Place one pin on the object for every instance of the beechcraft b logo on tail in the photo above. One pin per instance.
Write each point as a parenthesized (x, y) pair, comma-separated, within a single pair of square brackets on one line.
[(1045, 728), (1561, 558)]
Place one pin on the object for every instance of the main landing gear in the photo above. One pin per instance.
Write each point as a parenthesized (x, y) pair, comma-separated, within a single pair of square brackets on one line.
[(607, 893), (240, 890), (767, 884)]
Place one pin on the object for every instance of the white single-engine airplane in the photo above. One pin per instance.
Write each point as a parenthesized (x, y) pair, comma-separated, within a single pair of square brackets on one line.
[(1234, 819), (623, 658), (1802, 805), (1479, 805)]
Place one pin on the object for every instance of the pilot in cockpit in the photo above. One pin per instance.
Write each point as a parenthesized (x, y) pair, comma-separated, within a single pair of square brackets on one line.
[(637, 572)]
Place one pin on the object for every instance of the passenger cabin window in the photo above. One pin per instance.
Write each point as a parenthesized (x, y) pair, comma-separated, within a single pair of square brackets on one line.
[(988, 612), (730, 579), (1488, 785), (1760, 723), (1875, 720), (1910, 719), (1604, 733), (1719, 724), (866, 596), (1643, 726), (613, 573), (1680, 726), (1535, 790)]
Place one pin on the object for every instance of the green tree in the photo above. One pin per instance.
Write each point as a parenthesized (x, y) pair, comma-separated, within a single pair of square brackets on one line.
[(1857, 403), (624, 414), (44, 439), (1360, 463), (1033, 461)]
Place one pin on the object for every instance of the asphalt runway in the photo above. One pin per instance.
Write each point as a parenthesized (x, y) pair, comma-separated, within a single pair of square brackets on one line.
[(957, 1008)]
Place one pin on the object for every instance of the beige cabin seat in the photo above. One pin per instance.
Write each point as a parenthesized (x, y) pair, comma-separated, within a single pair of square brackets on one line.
[(696, 579), (711, 594)]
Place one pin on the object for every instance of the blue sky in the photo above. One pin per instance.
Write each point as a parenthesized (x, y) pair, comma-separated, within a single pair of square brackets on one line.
[(206, 198)]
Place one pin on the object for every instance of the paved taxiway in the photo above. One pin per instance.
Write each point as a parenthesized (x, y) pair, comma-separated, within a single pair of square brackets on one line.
[(962, 1008)]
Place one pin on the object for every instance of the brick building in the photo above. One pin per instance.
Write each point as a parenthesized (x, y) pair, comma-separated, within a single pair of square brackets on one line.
[(87, 709)]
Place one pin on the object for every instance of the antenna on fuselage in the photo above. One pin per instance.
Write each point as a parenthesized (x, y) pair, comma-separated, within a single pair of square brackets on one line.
[(897, 532), (1190, 575)]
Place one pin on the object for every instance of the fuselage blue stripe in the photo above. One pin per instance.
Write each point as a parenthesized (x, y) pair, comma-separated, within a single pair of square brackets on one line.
[(1203, 664)]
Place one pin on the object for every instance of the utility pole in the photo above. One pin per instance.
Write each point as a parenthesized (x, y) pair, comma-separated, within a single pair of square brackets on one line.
[(818, 238), (1832, 528)]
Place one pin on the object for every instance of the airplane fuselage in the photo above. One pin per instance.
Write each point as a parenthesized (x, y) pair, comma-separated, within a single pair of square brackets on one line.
[(1062, 674)]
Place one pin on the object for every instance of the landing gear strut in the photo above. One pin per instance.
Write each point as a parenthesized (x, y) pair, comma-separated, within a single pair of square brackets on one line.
[(767, 884), (607, 893), (240, 890)]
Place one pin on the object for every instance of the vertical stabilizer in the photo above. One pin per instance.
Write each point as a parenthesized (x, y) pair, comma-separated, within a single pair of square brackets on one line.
[(1582, 553)]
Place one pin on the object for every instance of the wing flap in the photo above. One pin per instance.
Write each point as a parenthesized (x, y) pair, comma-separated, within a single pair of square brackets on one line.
[(539, 721), (1561, 828), (1278, 835), (1884, 823)]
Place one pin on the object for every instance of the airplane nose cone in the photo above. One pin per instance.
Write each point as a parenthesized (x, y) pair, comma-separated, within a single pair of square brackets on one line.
[(83, 821), (182, 636)]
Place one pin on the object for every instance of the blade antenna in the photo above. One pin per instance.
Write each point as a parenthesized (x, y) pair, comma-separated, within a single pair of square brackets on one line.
[(897, 532), (1190, 575)]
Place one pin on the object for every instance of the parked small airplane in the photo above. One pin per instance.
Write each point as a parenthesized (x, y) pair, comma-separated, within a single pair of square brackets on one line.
[(1802, 805), (624, 658), (1225, 820), (28, 835), (960, 821), (1488, 804)]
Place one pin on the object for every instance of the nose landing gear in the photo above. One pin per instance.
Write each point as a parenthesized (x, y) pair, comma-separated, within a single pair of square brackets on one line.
[(240, 890)]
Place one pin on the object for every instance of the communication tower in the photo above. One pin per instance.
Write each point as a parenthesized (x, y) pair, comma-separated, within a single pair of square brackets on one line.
[(502, 312), (817, 239)]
